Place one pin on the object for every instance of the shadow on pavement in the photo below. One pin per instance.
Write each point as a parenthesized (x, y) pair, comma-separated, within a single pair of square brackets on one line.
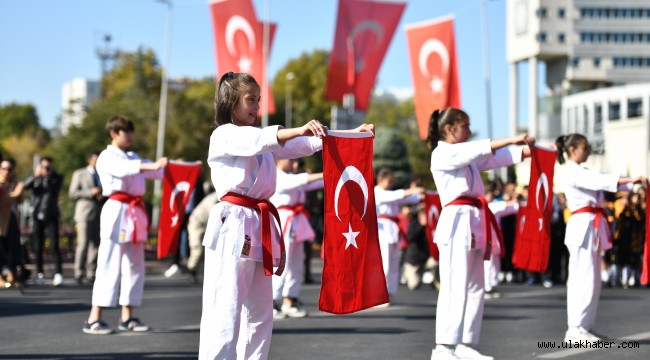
[(100, 356)]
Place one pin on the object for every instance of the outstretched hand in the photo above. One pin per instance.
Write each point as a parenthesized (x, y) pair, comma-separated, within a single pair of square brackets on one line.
[(313, 128), (366, 128)]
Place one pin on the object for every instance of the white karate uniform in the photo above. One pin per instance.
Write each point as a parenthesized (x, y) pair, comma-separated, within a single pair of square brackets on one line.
[(493, 265), (120, 260), (456, 172), (290, 191), (237, 318), (388, 203), (584, 187)]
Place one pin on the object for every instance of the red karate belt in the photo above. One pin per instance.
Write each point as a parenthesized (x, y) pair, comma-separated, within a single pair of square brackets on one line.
[(133, 201), (491, 220), (402, 234), (265, 208), (599, 213), (295, 209)]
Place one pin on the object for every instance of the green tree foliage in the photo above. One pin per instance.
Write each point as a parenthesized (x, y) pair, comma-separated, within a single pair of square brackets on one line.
[(21, 135)]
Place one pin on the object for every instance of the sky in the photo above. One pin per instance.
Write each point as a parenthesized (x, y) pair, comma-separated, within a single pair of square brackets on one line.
[(44, 44)]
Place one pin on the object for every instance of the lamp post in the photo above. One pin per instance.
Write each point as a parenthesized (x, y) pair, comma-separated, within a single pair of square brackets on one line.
[(288, 106), (162, 112)]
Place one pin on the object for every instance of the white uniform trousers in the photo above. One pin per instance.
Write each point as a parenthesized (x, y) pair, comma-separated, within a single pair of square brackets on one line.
[(120, 271), (390, 261), (492, 269), (288, 284), (237, 318), (583, 286), (459, 312), (195, 238)]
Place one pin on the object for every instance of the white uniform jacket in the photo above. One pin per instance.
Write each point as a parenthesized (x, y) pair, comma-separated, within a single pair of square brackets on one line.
[(290, 190), (119, 171), (388, 203), (584, 187), (242, 161), (456, 171)]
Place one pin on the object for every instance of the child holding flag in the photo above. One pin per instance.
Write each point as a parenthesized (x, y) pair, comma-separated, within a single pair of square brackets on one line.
[(464, 227), (123, 229), (241, 240), (587, 232)]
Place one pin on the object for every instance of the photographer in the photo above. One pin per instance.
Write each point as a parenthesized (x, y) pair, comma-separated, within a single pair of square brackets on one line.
[(45, 186)]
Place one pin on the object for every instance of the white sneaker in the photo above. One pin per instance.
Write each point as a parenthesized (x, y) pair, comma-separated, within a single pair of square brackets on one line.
[(39, 278), (293, 311), (171, 271), (278, 314), (468, 352), (443, 353), (579, 334), (58, 280)]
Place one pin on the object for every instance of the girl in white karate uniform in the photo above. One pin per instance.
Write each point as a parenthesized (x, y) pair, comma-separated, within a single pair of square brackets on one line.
[(289, 198), (587, 232), (123, 229), (389, 203), (237, 317), (462, 226)]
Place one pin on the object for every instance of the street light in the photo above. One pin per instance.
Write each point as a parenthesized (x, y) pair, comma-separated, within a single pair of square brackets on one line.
[(162, 112), (288, 120)]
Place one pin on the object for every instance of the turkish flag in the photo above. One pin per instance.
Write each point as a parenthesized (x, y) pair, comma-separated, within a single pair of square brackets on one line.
[(239, 40), (645, 272), (532, 251), (353, 276), (178, 184), (433, 207), (364, 29), (434, 68)]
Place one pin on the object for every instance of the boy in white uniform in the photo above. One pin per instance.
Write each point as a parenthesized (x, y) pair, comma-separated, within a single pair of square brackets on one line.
[(123, 229), (290, 199)]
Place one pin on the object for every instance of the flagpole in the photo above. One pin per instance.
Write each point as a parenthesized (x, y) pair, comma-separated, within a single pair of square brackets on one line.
[(265, 55), (486, 66), (162, 113)]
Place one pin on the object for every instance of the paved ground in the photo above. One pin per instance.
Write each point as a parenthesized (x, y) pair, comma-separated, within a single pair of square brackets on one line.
[(45, 323)]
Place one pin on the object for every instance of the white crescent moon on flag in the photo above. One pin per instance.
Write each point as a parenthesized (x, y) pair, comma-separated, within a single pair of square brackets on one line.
[(182, 186), (433, 211), (370, 25), (542, 185), (433, 46), (234, 24), (351, 173)]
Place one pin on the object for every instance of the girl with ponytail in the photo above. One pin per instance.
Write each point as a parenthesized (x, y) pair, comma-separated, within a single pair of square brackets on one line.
[(464, 225), (587, 232)]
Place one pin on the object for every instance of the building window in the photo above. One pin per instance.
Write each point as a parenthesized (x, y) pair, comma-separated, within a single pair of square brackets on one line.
[(596, 62), (561, 13), (634, 108), (585, 121), (541, 37), (541, 13), (575, 61), (598, 119), (614, 111), (561, 38)]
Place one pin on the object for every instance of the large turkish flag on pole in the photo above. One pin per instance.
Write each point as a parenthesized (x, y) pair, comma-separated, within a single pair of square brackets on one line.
[(238, 38), (531, 252), (433, 207), (434, 68), (364, 29), (353, 276), (178, 184)]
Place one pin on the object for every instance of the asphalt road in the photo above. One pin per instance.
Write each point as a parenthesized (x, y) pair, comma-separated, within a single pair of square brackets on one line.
[(45, 322)]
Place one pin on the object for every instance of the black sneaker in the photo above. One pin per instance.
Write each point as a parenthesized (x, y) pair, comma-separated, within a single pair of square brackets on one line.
[(97, 328), (132, 324)]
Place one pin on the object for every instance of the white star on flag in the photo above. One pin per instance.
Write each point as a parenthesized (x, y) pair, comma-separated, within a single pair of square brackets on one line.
[(244, 64), (436, 85), (350, 237)]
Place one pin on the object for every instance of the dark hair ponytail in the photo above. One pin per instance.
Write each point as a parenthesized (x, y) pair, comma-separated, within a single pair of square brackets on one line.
[(437, 122), (564, 142)]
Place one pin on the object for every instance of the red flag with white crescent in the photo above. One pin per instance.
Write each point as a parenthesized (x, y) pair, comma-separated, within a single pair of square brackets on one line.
[(434, 68), (433, 207), (364, 29), (532, 251), (353, 275), (239, 40), (178, 183)]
